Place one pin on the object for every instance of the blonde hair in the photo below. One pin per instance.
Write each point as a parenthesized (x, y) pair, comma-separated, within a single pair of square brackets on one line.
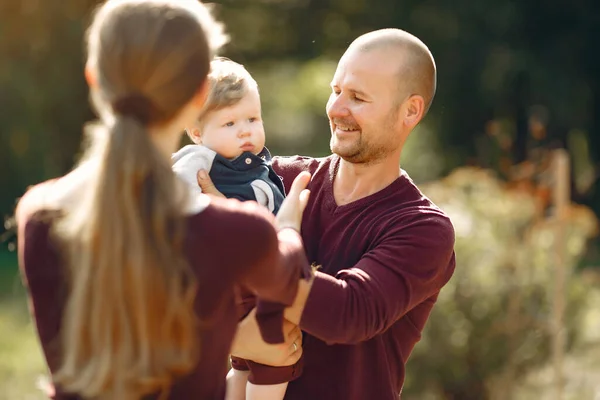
[(229, 82), (129, 326)]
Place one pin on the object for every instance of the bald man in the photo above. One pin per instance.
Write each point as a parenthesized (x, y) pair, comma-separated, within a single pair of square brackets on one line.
[(383, 249)]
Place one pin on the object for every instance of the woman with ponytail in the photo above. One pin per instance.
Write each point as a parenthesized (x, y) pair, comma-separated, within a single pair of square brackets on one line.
[(131, 277)]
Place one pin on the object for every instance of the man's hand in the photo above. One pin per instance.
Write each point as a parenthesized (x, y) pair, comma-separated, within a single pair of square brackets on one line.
[(207, 185), (248, 344)]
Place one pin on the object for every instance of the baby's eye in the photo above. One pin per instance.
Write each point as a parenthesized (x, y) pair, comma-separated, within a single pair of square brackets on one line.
[(253, 119), (230, 123), (356, 98)]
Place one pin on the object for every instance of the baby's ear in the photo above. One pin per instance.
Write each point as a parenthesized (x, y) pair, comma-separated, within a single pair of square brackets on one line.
[(194, 134)]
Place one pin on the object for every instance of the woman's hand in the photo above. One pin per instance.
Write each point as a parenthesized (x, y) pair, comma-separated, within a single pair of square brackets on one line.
[(248, 344), (292, 208)]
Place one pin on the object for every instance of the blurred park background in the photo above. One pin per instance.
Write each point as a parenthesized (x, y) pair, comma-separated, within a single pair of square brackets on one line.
[(517, 82)]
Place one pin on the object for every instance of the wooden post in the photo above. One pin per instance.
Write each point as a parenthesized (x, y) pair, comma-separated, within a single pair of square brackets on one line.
[(561, 199)]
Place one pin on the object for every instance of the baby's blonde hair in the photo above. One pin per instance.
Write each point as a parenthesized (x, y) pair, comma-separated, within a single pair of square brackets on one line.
[(229, 83)]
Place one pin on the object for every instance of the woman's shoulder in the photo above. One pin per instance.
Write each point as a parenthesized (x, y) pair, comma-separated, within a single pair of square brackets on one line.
[(54, 194), (34, 219), (35, 199)]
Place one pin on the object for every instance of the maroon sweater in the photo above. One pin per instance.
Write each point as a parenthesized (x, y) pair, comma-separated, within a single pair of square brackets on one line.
[(228, 243), (383, 260)]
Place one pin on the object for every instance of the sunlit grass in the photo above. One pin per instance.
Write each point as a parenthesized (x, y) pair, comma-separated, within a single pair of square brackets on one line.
[(21, 360)]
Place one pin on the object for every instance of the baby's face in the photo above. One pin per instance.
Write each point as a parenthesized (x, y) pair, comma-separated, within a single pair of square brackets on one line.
[(232, 130)]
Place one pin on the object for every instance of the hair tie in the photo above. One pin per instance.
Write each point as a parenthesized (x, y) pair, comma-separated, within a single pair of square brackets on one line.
[(137, 106)]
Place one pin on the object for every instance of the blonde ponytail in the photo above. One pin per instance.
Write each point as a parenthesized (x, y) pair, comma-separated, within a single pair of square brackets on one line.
[(129, 323), (129, 326)]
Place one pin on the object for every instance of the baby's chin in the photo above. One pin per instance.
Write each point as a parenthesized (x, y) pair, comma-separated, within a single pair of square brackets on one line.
[(239, 154), (255, 152)]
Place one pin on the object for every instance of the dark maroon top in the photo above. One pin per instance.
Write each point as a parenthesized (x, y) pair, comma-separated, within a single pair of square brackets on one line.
[(383, 260), (227, 244)]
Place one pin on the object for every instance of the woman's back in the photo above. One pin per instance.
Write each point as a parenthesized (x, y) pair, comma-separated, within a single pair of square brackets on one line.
[(250, 256)]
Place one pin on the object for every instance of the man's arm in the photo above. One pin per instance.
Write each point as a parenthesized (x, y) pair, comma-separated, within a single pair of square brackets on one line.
[(398, 274)]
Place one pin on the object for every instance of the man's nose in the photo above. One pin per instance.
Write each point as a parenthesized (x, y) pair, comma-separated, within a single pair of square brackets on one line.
[(337, 106)]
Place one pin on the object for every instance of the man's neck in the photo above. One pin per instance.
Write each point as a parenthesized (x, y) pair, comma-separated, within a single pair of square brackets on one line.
[(356, 181)]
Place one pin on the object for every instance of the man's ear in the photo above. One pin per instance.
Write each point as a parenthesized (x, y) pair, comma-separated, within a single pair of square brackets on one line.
[(413, 110)]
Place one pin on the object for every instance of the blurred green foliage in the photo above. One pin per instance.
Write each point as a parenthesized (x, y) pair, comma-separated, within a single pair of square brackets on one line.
[(492, 322), (495, 61)]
